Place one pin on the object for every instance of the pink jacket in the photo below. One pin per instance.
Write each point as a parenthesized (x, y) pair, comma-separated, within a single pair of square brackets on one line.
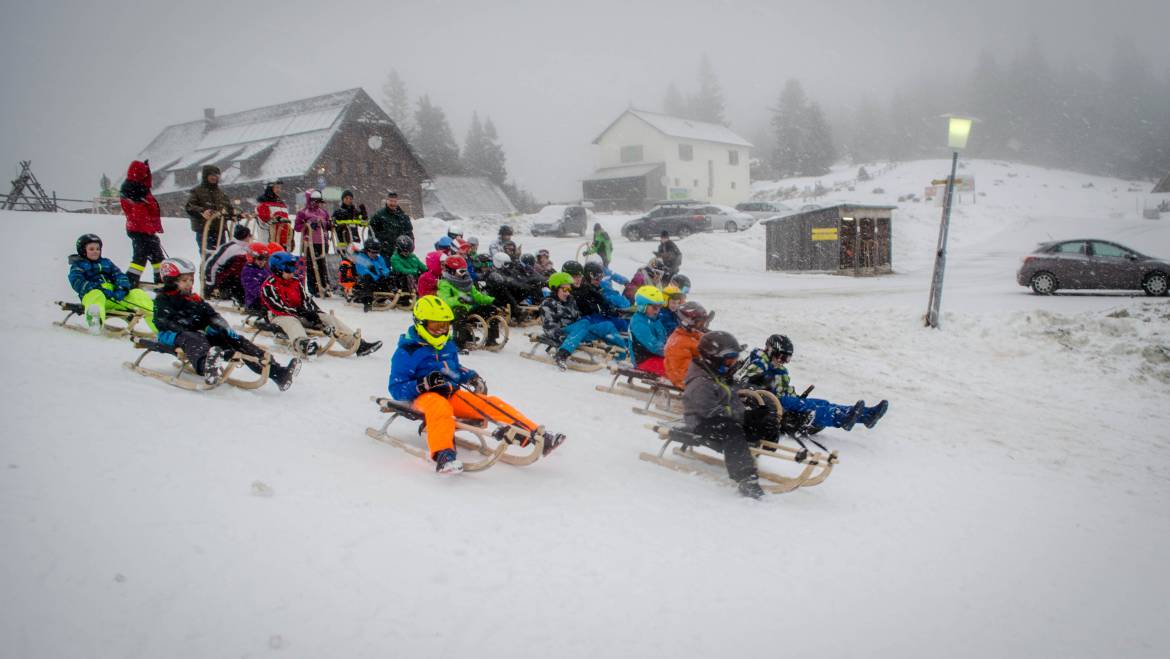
[(428, 282), (313, 220)]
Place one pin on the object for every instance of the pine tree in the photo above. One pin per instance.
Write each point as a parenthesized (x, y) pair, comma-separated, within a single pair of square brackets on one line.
[(107, 187), (495, 162), (788, 128), (475, 148), (397, 103), (673, 102), (707, 103), (434, 142), (820, 153)]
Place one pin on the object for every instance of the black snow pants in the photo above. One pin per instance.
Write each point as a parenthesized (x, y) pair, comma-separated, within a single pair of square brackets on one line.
[(196, 345), (144, 247), (726, 436)]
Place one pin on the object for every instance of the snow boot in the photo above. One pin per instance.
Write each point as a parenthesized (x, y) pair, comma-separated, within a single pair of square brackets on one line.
[(293, 367), (93, 318), (551, 441), (874, 414), (852, 415), (305, 347), (447, 463), (283, 375), (561, 357), (365, 347), (750, 488), (213, 366)]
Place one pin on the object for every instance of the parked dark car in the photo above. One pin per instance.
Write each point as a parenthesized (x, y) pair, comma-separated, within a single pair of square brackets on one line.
[(679, 219), (561, 220), (1092, 264)]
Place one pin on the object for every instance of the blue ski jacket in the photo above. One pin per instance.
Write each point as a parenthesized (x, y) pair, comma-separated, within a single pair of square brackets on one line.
[(86, 275), (375, 267), (415, 358)]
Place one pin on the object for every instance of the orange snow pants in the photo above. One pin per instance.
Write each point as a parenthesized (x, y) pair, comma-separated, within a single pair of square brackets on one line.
[(440, 414)]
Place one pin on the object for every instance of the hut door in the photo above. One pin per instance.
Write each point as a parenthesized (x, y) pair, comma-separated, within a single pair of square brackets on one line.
[(867, 243), (848, 243), (882, 238)]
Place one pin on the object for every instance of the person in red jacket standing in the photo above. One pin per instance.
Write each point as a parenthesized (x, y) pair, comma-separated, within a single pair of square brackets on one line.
[(143, 221), (273, 215)]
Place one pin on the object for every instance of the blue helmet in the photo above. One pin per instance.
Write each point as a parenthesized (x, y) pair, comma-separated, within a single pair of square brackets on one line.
[(444, 243), (282, 262)]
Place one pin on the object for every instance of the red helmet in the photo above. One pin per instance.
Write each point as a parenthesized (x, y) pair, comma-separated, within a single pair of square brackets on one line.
[(258, 250), (275, 247), (170, 269), (455, 263)]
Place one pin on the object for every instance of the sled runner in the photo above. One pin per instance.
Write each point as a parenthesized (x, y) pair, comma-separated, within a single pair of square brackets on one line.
[(588, 357), (224, 226), (689, 442), (176, 380), (257, 326), (130, 320), (488, 438), (472, 331), (526, 315), (388, 300)]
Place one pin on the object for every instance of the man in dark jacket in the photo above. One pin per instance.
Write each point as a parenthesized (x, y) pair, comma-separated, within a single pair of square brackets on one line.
[(185, 321), (205, 201), (669, 253), (348, 222), (713, 411), (390, 222)]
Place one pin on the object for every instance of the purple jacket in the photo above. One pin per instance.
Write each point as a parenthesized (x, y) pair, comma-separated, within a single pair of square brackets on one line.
[(253, 278), (313, 217)]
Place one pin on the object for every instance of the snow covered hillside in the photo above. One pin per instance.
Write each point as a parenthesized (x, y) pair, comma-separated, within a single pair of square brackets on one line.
[(1012, 503)]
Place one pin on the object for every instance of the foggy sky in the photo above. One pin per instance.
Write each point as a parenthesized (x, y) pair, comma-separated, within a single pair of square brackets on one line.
[(88, 85)]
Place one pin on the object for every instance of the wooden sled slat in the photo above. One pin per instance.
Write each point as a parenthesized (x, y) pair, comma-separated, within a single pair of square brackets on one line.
[(129, 318)]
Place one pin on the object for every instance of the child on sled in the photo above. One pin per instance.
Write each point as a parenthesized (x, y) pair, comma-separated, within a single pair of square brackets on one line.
[(562, 321), (373, 274), (292, 308), (646, 331), (767, 368), (103, 287), (185, 321), (464, 297), (425, 371)]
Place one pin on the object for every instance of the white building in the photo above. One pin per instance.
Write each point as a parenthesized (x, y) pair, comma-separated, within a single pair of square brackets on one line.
[(646, 157)]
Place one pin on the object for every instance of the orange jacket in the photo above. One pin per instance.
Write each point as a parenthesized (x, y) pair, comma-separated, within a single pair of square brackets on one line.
[(681, 347)]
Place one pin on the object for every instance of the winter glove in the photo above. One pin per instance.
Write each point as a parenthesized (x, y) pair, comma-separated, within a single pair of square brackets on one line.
[(477, 384), (436, 383)]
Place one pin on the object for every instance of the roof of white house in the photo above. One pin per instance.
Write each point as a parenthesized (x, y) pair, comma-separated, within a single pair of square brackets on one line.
[(469, 196), (288, 137), (685, 129)]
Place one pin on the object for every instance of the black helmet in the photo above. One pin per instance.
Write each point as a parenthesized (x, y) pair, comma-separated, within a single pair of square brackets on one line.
[(683, 282), (85, 240), (528, 260), (573, 268), (776, 345), (372, 244), (404, 244), (505, 230), (692, 316), (593, 269), (715, 348)]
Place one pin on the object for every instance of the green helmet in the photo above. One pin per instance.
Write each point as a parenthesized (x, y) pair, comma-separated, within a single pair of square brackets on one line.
[(559, 279)]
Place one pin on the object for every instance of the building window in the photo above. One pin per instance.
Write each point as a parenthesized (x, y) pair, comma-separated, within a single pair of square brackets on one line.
[(733, 185), (733, 157), (369, 168), (399, 169), (687, 152), (339, 167), (632, 153)]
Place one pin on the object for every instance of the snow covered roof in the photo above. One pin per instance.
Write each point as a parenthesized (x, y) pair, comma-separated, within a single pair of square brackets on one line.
[(1163, 185), (468, 196), (625, 171), (834, 207), (686, 129), (287, 138)]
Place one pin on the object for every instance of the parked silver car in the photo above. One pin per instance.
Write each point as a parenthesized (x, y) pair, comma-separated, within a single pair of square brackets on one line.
[(1092, 264), (762, 210)]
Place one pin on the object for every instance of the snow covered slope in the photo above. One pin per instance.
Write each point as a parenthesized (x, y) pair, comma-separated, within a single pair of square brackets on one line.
[(1012, 503)]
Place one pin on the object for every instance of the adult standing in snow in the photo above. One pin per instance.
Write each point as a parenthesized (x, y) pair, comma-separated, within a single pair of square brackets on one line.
[(348, 222), (669, 253), (390, 222), (143, 221), (502, 241), (273, 215), (313, 224), (602, 245), (205, 201)]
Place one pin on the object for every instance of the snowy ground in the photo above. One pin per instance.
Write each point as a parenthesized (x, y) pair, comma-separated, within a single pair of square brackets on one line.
[(1013, 502)]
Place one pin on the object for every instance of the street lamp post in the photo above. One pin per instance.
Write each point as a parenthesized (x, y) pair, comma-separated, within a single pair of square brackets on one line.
[(958, 130)]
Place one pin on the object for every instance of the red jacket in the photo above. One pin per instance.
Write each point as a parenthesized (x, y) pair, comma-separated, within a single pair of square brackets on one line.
[(138, 204), (287, 297)]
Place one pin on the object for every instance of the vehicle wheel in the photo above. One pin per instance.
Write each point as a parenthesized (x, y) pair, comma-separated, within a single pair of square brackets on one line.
[(683, 232), (731, 226), (1155, 284), (1044, 283)]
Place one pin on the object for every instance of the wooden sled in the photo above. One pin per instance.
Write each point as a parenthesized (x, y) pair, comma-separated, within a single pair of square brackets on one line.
[(388, 300), (255, 325), (470, 434), (176, 380), (588, 357), (129, 319), (526, 315), (816, 467), (644, 386)]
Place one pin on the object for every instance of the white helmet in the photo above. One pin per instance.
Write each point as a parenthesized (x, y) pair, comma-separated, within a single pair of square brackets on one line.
[(500, 259), (454, 231), (594, 258)]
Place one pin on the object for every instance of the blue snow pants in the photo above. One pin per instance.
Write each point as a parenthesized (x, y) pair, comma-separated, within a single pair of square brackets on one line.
[(621, 324), (587, 330), (828, 415)]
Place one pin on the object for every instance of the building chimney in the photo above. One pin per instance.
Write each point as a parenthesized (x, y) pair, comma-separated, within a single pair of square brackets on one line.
[(209, 114)]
